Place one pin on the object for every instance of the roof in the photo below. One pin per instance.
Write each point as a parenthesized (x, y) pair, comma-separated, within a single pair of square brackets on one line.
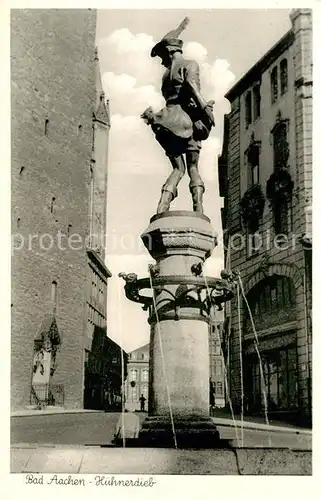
[(255, 71), (141, 348)]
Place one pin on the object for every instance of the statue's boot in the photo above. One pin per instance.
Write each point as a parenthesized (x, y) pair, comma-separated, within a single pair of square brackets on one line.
[(197, 196), (165, 201)]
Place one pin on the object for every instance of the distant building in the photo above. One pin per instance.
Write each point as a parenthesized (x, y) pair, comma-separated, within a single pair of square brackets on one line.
[(60, 129), (137, 378), (265, 177), (216, 359), (103, 373)]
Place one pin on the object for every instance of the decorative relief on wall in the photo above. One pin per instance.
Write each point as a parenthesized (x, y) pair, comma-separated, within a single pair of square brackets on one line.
[(45, 351), (275, 342)]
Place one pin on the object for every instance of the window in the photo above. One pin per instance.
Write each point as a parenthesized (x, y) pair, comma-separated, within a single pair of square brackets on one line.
[(272, 302), (280, 379), (282, 215), (253, 162), (248, 108), (280, 145), (145, 391), (256, 102), (133, 375), (254, 174), (54, 295), (219, 388), (134, 394), (143, 355), (284, 76), (218, 367), (274, 85), (282, 210), (145, 375), (253, 243), (217, 347)]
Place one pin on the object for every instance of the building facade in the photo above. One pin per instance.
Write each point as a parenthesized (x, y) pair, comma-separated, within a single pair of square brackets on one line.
[(105, 368), (265, 176), (137, 380), (216, 359), (60, 130)]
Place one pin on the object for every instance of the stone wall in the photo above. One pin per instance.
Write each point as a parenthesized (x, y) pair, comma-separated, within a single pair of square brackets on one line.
[(53, 93)]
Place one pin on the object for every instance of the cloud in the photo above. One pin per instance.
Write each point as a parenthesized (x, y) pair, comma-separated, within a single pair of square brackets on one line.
[(208, 158), (127, 56), (123, 51), (196, 51), (126, 98), (132, 83)]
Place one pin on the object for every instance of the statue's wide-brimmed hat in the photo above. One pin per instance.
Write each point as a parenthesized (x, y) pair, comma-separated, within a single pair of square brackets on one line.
[(170, 41), (165, 44)]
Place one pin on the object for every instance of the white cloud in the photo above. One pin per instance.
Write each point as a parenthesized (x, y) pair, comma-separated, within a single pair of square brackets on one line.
[(128, 99), (208, 158), (195, 51), (124, 51)]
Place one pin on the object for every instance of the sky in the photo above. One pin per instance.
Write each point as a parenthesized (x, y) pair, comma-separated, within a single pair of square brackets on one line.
[(225, 43)]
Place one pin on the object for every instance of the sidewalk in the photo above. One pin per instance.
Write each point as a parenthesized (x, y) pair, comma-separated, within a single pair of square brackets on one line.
[(228, 422), (50, 410), (152, 461)]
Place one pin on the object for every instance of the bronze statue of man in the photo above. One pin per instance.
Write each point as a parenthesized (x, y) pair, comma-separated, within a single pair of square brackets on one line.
[(186, 120)]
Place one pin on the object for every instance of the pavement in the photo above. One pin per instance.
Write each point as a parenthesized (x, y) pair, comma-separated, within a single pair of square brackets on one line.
[(80, 442), (152, 461)]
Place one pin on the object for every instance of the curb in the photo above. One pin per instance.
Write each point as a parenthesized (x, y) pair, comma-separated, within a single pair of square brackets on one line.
[(222, 422), (37, 413)]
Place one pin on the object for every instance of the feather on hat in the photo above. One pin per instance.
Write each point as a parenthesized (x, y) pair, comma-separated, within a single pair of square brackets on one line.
[(170, 40)]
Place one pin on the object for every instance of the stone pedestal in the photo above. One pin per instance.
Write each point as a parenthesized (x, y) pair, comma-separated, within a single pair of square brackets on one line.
[(180, 242)]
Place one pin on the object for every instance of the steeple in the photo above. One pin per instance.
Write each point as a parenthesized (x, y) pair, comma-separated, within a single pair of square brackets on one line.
[(101, 105)]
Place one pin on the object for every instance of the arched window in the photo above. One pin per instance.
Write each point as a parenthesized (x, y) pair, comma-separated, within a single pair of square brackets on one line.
[(134, 393), (280, 145), (282, 209), (145, 375), (274, 84), (284, 76), (54, 295), (133, 375)]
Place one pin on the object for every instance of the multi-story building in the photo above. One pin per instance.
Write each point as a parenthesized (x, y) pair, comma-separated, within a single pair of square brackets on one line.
[(137, 380), (216, 360), (265, 175), (60, 128), (105, 370)]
